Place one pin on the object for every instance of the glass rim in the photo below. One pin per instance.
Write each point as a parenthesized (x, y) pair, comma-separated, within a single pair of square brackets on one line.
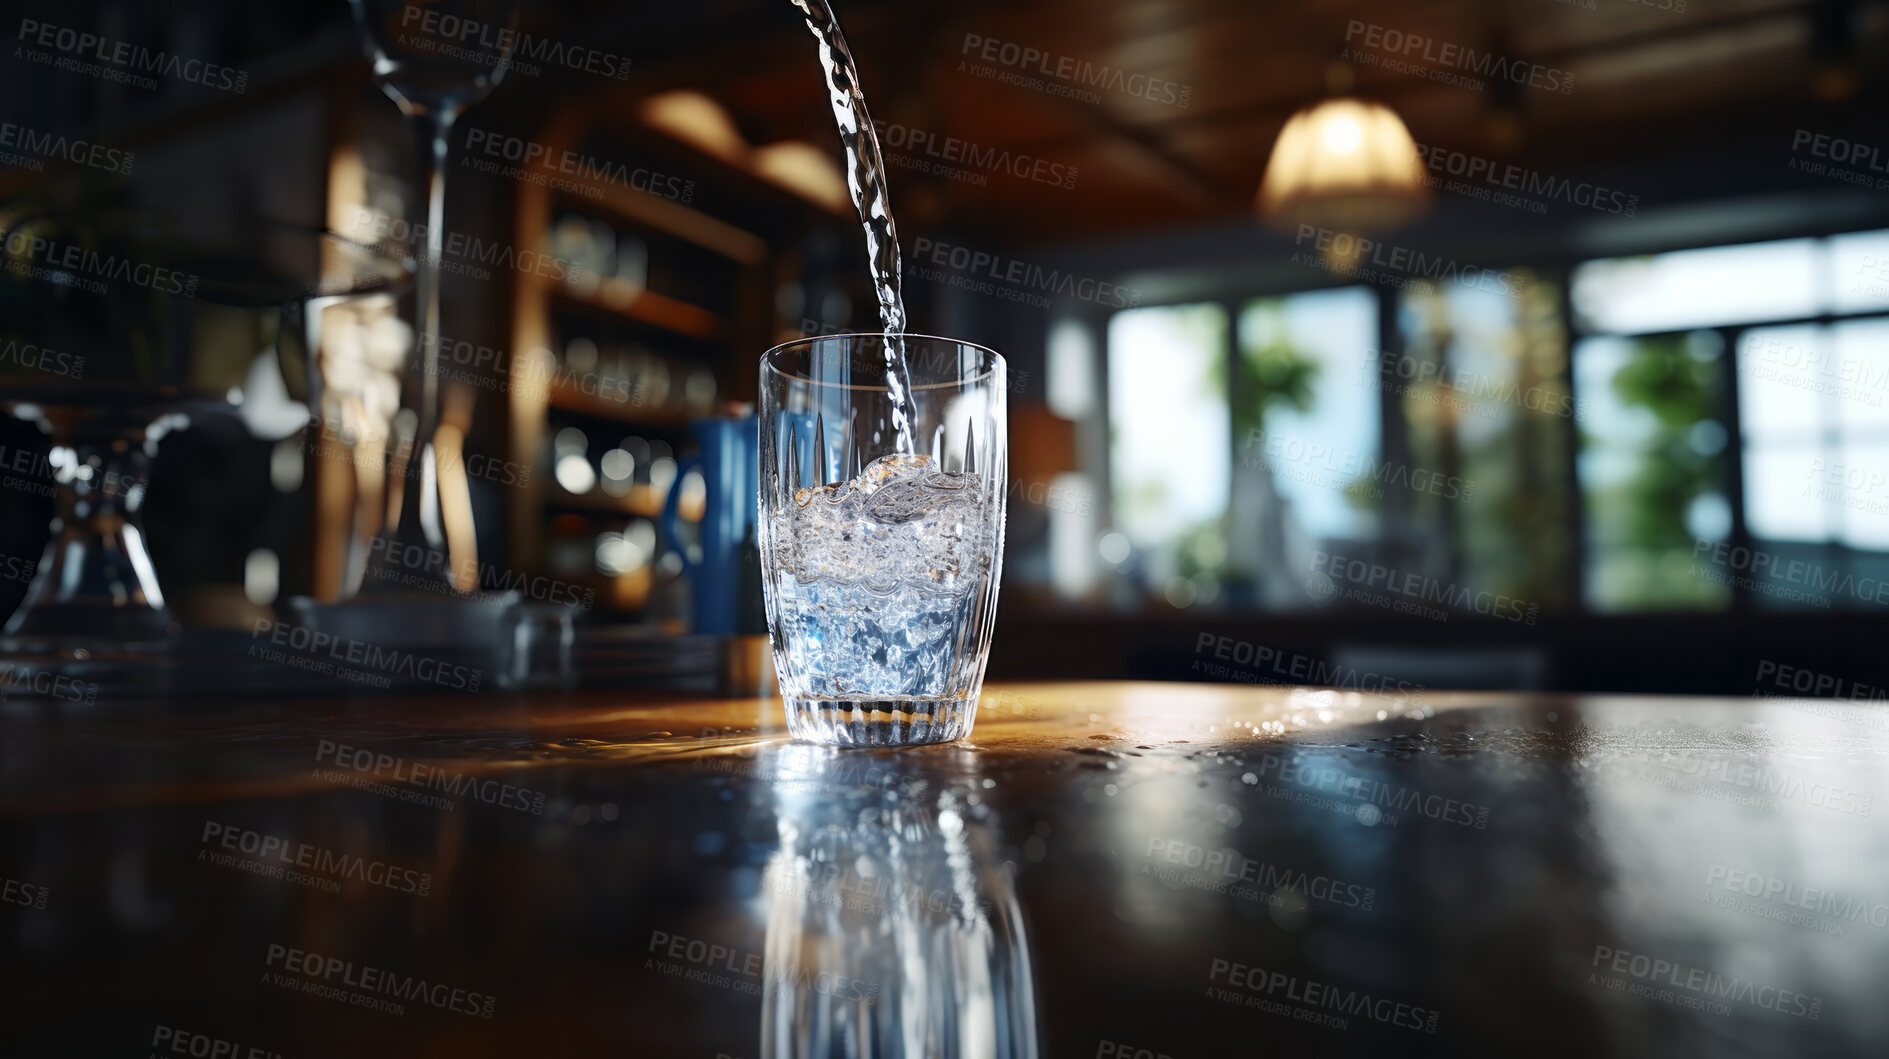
[(996, 360)]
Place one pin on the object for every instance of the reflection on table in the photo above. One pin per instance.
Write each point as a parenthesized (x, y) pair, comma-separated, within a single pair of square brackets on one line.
[(1102, 869)]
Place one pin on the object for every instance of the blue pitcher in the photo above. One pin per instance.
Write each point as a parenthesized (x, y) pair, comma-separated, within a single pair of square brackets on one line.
[(728, 454)]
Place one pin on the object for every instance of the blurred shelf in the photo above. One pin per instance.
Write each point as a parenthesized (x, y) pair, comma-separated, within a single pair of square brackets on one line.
[(735, 178), (726, 254), (672, 218), (641, 502), (623, 298), (568, 397), (738, 177)]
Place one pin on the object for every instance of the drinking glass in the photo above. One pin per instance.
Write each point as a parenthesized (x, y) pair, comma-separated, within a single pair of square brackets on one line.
[(881, 559)]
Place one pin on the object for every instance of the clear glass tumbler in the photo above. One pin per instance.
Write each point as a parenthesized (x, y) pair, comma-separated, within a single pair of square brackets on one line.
[(881, 565)]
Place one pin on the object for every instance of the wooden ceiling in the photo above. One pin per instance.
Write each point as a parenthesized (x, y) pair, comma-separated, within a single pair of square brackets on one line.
[(1647, 83)]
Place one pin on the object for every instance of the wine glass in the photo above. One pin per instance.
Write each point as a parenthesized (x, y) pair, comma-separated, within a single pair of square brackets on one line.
[(94, 604), (433, 59)]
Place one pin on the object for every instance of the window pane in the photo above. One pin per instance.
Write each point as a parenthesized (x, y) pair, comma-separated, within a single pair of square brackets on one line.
[(1861, 482), (1860, 263), (1778, 383), (1484, 392), (1817, 433), (1651, 469), (1070, 375), (1303, 375), (1170, 441), (1694, 288), (1782, 499), (1858, 377)]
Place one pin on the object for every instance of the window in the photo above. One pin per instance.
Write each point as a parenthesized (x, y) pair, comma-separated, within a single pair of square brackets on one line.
[(1693, 288), (1482, 392), (1620, 437), (1796, 329), (1169, 451), (1230, 465), (1816, 455), (1651, 469), (1304, 400)]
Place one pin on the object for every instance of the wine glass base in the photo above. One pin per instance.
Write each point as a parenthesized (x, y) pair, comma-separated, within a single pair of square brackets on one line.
[(93, 626), (82, 669)]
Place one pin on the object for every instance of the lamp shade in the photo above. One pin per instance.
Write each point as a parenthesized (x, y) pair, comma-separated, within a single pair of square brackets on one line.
[(1346, 164)]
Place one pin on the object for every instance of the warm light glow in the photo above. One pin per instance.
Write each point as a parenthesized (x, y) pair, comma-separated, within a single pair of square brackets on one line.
[(455, 498), (694, 118), (1344, 164), (1342, 134), (805, 170), (796, 165), (574, 473)]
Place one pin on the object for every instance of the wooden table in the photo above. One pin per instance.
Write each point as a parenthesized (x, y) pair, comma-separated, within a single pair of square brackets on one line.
[(1108, 869)]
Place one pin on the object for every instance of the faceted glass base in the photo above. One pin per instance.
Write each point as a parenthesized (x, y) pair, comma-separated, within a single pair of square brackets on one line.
[(881, 721)]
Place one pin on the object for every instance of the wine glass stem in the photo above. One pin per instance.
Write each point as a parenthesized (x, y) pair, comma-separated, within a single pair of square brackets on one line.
[(419, 519), (437, 124)]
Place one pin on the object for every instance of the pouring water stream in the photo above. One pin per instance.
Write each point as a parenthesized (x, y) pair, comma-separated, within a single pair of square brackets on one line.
[(866, 180)]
